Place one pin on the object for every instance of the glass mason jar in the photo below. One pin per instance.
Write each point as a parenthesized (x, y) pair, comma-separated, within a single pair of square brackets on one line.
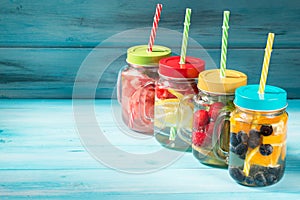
[(173, 101), (136, 86), (258, 136), (213, 105)]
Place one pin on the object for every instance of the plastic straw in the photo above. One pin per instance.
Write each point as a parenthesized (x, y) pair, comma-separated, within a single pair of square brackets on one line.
[(265, 68), (154, 27), (225, 28), (185, 37)]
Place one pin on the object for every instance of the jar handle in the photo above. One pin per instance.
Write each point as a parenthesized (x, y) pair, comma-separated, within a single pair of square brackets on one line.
[(220, 137), (180, 118), (141, 109), (119, 85), (144, 114)]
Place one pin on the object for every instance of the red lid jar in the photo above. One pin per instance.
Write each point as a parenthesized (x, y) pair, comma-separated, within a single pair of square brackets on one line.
[(173, 107)]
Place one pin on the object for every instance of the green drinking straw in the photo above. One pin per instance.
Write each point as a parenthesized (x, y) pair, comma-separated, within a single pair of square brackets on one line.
[(185, 37), (225, 28)]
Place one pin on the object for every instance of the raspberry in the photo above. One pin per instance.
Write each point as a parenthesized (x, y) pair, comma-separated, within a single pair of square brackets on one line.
[(198, 138), (201, 118)]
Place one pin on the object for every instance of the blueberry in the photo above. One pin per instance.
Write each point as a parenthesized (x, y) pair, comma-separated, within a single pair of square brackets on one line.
[(241, 149), (233, 139), (265, 149), (249, 180), (243, 156), (232, 149), (266, 130), (243, 136), (260, 179), (271, 179), (237, 174), (238, 137), (255, 169), (254, 139), (274, 170)]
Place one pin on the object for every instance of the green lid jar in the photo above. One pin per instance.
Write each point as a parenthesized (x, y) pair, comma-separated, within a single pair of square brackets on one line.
[(136, 86)]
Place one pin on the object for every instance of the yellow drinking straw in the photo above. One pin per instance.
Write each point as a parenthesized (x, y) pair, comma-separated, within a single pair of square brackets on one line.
[(265, 68), (261, 91)]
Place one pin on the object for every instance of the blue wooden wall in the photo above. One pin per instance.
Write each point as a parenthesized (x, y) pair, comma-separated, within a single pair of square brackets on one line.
[(43, 43)]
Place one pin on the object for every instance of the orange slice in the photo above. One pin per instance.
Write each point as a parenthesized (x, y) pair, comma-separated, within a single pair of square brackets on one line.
[(276, 139), (239, 126), (267, 161)]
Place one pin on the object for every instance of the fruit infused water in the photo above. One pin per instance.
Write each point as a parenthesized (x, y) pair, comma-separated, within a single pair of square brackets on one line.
[(258, 136), (212, 107), (137, 86), (175, 90)]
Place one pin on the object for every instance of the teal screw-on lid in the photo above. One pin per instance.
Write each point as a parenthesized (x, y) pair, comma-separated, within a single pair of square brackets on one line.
[(247, 97)]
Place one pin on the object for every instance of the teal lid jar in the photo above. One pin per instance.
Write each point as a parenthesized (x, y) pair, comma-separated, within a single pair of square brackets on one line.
[(247, 97), (258, 129)]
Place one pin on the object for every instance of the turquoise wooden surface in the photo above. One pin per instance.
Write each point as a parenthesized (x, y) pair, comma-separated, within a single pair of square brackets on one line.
[(42, 158), (43, 43)]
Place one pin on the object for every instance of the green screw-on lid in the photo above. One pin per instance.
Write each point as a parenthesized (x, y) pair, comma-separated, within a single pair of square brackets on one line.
[(138, 55)]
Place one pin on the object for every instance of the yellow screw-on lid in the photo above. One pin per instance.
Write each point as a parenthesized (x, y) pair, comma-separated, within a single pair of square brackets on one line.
[(210, 81)]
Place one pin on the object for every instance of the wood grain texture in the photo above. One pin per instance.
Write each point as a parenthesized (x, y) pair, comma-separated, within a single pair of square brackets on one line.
[(86, 23), (44, 43), (51, 73), (42, 158)]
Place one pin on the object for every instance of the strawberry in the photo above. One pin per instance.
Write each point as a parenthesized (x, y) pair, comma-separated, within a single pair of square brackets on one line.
[(198, 138), (214, 110), (163, 93), (201, 118)]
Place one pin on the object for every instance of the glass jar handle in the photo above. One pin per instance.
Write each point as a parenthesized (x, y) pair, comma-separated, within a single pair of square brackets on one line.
[(220, 137), (119, 85), (144, 114), (183, 102)]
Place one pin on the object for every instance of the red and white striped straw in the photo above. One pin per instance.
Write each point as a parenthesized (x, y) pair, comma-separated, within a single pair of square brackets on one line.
[(154, 27)]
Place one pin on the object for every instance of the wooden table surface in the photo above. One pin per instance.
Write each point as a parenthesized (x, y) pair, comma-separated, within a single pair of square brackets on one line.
[(42, 157)]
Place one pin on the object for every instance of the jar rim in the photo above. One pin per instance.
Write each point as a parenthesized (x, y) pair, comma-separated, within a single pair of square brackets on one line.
[(183, 79), (217, 93), (265, 111), (141, 66)]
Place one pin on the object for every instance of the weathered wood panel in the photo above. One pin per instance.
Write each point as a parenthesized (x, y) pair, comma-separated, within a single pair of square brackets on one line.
[(43, 43), (86, 23), (50, 73)]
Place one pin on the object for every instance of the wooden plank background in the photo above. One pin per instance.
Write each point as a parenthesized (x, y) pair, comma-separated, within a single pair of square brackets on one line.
[(43, 43)]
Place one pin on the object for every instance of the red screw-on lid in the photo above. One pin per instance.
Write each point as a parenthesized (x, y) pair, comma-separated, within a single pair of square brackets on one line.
[(170, 67)]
